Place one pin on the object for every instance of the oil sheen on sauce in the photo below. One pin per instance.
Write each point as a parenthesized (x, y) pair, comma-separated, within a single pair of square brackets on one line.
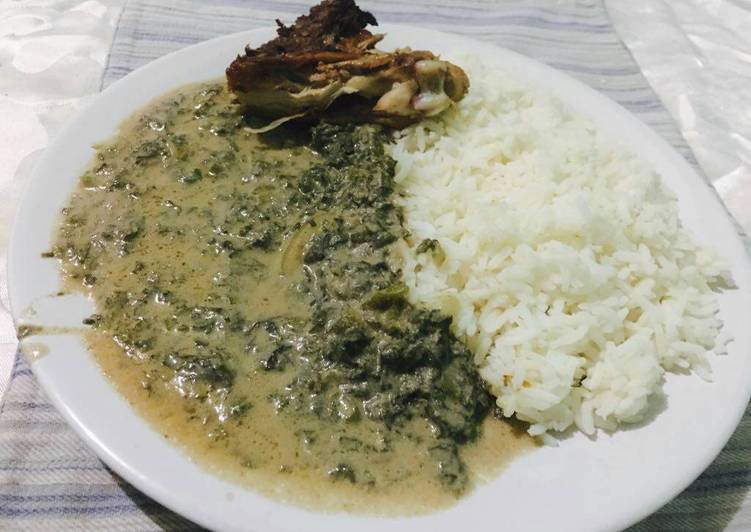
[(186, 245)]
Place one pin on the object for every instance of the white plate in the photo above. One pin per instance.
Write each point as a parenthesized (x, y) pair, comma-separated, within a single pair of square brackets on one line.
[(582, 485)]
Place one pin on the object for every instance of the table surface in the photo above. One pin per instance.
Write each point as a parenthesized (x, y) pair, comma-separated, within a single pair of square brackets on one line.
[(695, 53)]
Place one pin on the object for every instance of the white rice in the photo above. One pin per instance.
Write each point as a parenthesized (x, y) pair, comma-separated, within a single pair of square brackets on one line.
[(563, 264)]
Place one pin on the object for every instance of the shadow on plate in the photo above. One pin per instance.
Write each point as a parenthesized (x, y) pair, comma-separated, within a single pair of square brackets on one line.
[(163, 518), (656, 405)]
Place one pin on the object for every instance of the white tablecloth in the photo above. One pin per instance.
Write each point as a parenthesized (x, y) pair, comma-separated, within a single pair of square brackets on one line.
[(52, 55)]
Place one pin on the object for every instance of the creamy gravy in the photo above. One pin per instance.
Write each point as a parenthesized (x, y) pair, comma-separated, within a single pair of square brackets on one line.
[(186, 233)]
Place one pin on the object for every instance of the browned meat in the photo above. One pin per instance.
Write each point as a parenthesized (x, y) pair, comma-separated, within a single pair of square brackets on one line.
[(326, 64)]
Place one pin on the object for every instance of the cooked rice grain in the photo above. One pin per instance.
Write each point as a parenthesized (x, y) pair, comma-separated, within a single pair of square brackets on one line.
[(563, 261)]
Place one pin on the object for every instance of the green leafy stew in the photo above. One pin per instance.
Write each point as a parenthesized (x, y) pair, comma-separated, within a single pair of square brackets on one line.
[(249, 306)]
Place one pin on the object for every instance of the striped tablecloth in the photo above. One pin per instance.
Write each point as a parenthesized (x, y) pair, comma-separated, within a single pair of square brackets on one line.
[(50, 481)]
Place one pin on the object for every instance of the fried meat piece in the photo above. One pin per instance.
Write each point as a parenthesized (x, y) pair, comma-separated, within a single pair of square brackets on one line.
[(326, 64)]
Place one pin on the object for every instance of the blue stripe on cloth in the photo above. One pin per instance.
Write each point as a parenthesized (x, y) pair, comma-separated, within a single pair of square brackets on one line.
[(50, 480)]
